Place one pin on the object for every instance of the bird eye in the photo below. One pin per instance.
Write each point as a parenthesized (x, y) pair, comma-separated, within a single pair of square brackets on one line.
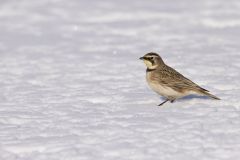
[(151, 57)]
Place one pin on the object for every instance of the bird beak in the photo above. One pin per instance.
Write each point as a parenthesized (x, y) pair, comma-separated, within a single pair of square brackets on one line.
[(142, 58)]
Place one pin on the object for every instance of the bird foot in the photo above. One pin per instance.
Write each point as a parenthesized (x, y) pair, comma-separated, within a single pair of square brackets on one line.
[(163, 102), (166, 101)]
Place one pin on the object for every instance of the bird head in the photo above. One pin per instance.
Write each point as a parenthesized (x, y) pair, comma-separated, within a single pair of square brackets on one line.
[(152, 60)]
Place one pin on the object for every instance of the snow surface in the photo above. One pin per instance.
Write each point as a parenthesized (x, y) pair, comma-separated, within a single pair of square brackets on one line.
[(73, 88)]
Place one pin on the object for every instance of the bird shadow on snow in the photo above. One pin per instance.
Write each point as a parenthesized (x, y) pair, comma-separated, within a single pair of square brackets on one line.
[(190, 97), (194, 96)]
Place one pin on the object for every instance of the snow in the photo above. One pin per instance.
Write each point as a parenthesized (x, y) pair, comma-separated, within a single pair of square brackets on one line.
[(72, 86)]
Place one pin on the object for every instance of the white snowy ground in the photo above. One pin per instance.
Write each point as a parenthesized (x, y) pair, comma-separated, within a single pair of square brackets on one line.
[(73, 88)]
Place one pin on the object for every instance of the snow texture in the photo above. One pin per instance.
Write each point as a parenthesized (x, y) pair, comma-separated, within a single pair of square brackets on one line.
[(73, 88)]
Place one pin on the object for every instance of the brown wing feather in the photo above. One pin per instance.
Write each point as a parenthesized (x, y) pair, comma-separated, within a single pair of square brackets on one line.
[(171, 78)]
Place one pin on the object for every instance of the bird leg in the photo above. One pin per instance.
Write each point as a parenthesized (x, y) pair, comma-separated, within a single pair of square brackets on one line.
[(163, 102)]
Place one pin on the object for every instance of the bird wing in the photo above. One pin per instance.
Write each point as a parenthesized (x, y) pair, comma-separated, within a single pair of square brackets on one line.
[(171, 78)]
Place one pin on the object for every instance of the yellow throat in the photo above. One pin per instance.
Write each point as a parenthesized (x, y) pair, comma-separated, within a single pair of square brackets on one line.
[(147, 63)]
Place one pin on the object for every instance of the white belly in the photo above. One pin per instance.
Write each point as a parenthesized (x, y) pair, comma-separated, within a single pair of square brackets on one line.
[(166, 91)]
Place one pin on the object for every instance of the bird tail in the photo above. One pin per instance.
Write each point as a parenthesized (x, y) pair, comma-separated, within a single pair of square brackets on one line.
[(206, 93)]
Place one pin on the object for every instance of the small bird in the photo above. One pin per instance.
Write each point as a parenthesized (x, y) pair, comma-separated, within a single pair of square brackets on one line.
[(169, 83)]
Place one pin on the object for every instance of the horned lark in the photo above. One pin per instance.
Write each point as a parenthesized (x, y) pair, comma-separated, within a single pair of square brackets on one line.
[(168, 82)]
